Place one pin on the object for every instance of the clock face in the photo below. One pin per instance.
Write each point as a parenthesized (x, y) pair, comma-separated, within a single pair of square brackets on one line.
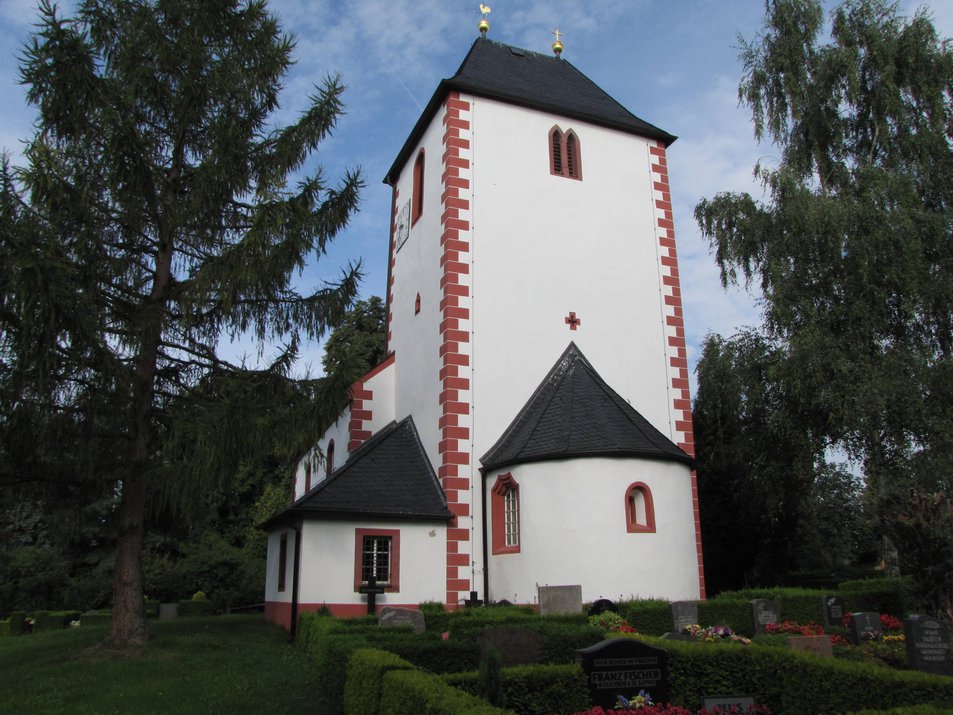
[(403, 224)]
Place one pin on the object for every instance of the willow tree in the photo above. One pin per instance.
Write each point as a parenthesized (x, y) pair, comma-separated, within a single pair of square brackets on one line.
[(160, 212), (851, 245)]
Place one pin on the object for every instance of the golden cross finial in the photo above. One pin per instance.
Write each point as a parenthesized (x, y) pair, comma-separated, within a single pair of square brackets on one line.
[(557, 45)]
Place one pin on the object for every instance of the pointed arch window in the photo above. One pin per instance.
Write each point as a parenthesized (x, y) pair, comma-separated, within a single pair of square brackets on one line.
[(417, 206), (565, 155), (307, 475), (639, 509), (505, 512), (330, 457)]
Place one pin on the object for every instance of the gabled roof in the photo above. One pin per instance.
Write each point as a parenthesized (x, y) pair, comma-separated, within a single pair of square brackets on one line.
[(574, 413), (387, 476), (529, 79)]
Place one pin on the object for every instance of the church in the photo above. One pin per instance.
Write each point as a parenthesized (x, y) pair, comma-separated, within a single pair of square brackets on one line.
[(531, 425)]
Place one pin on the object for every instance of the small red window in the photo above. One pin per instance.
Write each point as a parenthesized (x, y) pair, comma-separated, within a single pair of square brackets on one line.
[(330, 457), (505, 512), (639, 509), (564, 154), (418, 198)]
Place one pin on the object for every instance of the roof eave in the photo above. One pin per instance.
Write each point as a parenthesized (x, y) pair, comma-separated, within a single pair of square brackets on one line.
[(683, 458)]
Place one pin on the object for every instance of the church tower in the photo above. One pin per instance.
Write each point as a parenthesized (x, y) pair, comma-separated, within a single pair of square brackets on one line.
[(531, 211), (531, 425)]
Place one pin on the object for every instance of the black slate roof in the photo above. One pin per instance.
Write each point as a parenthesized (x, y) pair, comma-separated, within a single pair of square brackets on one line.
[(574, 413), (529, 79), (387, 476)]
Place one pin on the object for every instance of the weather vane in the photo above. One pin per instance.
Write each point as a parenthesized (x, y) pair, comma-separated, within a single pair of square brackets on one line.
[(557, 45), (484, 23)]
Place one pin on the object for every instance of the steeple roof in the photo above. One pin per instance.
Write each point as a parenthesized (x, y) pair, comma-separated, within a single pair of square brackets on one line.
[(529, 79), (574, 413), (388, 476)]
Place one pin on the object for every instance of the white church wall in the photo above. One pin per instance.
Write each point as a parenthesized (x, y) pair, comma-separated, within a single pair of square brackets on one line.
[(573, 531), (546, 245), (272, 566), (415, 337), (329, 548), (318, 454), (381, 383)]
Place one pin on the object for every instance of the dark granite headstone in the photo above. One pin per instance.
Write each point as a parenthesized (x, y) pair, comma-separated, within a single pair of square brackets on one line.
[(391, 616), (710, 702), (833, 609), (624, 666), (555, 600), (928, 645), (819, 645), (684, 613), (517, 646), (861, 623), (763, 612), (602, 605)]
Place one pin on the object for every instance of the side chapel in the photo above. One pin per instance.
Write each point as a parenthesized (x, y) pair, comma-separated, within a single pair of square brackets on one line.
[(531, 424)]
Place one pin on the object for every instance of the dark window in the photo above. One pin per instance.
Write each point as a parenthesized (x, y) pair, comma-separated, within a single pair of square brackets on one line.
[(282, 561), (375, 559), (556, 151), (418, 198), (565, 155), (330, 458), (307, 475)]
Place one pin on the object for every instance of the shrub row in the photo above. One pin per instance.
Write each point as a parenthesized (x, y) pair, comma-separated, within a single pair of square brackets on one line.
[(96, 618), (793, 682), (53, 620), (534, 689), (189, 608)]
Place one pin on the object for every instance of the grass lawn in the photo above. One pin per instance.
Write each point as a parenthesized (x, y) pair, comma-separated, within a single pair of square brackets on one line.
[(226, 664)]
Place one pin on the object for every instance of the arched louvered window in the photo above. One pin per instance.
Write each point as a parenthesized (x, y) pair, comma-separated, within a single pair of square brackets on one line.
[(418, 198), (330, 457), (505, 513), (564, 154)]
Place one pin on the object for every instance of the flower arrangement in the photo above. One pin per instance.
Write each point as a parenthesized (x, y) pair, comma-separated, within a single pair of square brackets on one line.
[(611, 623), (669, 709), (714, 633), (794, 628), (642, 700)]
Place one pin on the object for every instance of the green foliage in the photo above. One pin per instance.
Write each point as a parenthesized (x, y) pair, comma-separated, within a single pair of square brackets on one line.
[(883, 595), (18, 624), (651, 617), (909, 710), (155, 217), (5, 628), (34, 577), (191, 608), (53, 620), (535, 689), (358, 343), (95, 618), (365, 671), (850, 251), (489, 681), (412, 691)]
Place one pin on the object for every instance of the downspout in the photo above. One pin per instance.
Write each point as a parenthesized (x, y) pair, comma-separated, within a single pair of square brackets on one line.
[(294, 583), (486, 557)]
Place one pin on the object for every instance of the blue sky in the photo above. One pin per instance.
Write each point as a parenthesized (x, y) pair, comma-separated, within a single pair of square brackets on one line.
[(673, 63)]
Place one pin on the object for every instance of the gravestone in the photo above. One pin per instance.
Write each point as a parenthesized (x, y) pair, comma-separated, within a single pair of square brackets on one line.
[(502, 602), (168, 610), (710, 702), (833, 609), (517, 646), (602, 605), (928, 645), (763, 612), (392, 616), (861, 623), (684, 613), (819, 645), (554, 600), (371, 589), (624, 666)]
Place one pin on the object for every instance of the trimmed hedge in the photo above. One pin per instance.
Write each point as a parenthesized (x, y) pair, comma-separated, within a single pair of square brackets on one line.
[(652, 618), (911, 710), (365, 671), (412, 691), (535, 689), (792, 682), (96, 618), (5, 628), (18, 624), (53, 620), (189, 608), (884, 595), (152, 608)]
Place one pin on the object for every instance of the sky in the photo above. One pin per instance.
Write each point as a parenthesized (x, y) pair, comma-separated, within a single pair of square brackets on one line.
[(673, 63)]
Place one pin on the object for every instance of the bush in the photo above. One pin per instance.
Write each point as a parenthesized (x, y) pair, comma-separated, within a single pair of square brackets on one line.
[(152, 608), (411, 691), (5, 628), (649, 617), (18, 625), (96, 618), (535, 689), (189, 608), (365, 672), (53, 620), (884, 595)]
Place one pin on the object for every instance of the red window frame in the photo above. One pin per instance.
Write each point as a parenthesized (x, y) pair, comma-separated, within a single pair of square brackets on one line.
[(394, 535), (632, 523), (417, 206), (565, 153), (504, 484)]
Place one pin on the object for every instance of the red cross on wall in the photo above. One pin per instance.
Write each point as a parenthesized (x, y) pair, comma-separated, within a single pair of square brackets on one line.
[(572, 321)]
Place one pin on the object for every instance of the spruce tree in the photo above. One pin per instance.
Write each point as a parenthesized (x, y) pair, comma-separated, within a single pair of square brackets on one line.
[(159, 213)]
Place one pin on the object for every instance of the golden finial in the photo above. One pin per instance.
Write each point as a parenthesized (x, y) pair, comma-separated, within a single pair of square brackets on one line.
[(484, 23), (557, 45)]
